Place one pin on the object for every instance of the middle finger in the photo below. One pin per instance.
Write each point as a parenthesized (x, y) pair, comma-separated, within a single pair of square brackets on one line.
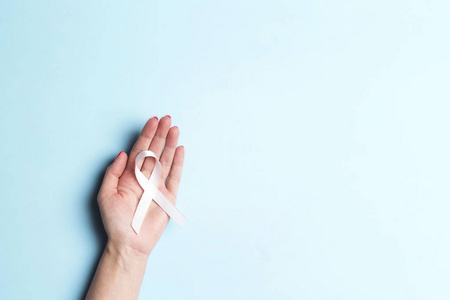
[(157, 144)]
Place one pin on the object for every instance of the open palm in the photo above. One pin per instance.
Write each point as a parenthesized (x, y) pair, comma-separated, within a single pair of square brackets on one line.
[(120, 191)]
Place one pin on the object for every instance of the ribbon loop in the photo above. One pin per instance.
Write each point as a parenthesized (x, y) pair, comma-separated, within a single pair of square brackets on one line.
[(151, 192)]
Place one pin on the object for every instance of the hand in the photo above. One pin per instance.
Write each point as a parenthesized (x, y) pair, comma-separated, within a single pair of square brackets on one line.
[(120, 191)]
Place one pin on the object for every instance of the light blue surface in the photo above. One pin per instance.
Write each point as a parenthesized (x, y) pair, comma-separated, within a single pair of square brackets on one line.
[(316, 136)]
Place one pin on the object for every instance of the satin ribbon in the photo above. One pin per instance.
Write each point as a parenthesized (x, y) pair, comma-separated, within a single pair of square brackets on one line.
[(151, 192)]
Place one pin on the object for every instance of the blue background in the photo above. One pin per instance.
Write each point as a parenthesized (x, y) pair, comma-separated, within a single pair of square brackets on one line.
[(316, 136)]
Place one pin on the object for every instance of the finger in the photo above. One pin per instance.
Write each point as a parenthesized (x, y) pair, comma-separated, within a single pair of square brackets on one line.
[(112, 175), (142, 142), (157, 144), (173, 181), (169, 151)]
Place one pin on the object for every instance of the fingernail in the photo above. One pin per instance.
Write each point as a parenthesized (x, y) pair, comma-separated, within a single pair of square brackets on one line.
[(119, 154), (168, 116), (156, 118)]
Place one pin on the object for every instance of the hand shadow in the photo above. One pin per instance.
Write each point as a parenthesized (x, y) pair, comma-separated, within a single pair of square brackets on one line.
[(95, 217)]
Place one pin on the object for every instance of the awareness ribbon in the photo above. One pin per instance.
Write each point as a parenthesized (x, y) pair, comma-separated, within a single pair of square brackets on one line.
[(151, 192)]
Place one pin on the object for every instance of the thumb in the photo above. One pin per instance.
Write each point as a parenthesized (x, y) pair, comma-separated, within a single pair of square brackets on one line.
[(112, 175)]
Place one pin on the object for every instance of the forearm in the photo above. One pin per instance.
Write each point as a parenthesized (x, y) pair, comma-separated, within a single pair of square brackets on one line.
[(119, 274)]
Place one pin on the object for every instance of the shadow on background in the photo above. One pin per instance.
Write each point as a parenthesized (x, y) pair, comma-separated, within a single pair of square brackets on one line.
[(95, 217)]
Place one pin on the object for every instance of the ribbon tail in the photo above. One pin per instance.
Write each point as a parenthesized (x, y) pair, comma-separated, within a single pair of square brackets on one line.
[(169, 208), (141, 209)]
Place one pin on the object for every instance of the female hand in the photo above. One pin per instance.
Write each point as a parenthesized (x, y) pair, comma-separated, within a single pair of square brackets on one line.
[(122, 266), (120, 191)]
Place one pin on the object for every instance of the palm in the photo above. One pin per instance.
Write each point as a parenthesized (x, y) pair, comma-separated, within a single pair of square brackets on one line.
[(119, 205)]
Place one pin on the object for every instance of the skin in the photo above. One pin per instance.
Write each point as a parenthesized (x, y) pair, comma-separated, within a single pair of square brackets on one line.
[(122, 266)]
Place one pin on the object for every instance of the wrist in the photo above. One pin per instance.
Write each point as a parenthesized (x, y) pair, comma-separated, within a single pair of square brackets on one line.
[(119, 274), (125, 255)]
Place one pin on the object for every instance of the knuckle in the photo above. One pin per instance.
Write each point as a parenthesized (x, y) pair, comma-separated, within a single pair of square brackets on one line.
[(175, 177), (109, 170)]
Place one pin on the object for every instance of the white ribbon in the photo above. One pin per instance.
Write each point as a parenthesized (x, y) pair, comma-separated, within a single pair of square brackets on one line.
[(151, 192)]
